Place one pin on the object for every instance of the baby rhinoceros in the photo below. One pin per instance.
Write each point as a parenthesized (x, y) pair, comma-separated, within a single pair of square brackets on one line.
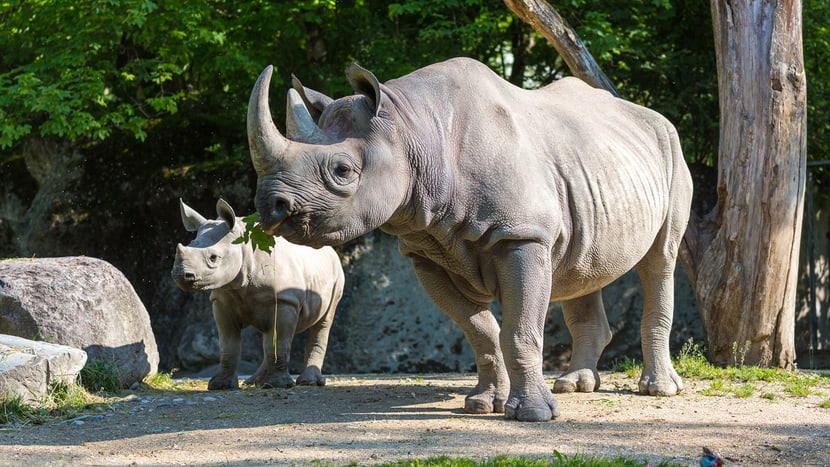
[(244, 283)]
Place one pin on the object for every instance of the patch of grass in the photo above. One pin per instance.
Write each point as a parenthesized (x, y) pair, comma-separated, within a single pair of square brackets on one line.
[(716, 388), (744, 391), (410, 379), (692, 363), (97, 376), (63, 401), (557, 459), (800, 387), (632, 368), (825, 404), (165, 382), (13, 410)]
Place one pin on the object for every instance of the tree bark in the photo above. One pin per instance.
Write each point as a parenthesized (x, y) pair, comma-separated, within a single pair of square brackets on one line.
[(547, 22), (746, 260), (742, 258)]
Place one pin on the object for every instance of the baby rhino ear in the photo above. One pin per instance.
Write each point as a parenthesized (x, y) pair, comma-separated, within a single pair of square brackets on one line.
[(366, 84), (225, 213), (191, 219)]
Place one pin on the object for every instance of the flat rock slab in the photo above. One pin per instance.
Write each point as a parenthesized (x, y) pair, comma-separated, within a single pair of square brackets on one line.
[(81, 302), (28, 368)]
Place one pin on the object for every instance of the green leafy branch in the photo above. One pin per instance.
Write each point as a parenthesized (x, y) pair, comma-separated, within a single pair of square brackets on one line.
[(255, 235)]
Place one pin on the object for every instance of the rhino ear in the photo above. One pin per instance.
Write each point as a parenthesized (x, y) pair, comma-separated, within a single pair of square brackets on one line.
[(366, 84), (299, 124), (191, 219), (225, 212), (315, 101)]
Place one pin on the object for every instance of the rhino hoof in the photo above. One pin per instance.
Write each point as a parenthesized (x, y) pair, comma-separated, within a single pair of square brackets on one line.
[(223, 384)]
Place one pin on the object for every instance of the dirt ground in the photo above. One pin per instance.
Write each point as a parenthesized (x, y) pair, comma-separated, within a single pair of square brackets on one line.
[(370, 419)]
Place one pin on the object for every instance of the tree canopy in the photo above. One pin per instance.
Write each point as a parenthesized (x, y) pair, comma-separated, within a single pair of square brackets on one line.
[(130, 71)]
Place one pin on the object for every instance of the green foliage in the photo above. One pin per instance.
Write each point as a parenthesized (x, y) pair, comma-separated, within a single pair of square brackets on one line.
[(13, 410), (170, 80), (632, 368), (557, 459), (97, 376), (254, 234), (63, 401)]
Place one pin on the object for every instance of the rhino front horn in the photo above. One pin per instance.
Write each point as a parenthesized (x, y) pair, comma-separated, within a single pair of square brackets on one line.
[(266, 143)]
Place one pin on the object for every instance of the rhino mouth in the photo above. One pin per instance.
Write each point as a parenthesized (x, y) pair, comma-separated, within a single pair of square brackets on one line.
[(187, 281)]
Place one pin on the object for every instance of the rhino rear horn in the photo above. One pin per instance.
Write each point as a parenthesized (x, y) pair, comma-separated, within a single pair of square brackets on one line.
[(299, 124), (266, 143), (315, 101)]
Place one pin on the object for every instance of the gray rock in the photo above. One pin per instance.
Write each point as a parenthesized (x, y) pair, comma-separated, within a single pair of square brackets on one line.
[(81, 302), (29, 368)]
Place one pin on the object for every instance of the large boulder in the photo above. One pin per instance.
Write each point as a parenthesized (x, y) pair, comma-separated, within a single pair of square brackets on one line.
[(28, 369), (80, 302)]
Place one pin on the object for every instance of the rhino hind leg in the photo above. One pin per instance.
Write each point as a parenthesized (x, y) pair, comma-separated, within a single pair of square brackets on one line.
[(315, 349), (656, 271), (588, 326)]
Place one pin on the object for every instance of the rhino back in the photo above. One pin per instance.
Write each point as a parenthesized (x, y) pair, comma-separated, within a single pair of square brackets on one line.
[(566, 165)]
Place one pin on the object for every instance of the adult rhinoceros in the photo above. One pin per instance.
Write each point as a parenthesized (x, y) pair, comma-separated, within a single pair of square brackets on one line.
[(495, 192)]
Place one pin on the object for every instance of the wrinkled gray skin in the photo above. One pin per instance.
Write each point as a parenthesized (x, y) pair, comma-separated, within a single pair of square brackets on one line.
[(495, 192), (309, 284)]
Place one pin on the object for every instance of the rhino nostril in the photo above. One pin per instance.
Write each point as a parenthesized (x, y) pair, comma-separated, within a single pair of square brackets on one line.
[(189, 276), (280, 210)]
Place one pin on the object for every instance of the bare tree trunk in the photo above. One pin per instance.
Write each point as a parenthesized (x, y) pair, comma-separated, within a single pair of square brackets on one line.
[(547, 22), (742, 258), (746, 260)]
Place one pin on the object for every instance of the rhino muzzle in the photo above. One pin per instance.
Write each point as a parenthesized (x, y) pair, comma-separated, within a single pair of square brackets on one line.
[(184, 278), (273, 213)]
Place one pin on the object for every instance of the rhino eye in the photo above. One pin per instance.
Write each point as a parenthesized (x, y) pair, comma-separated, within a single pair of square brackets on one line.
[(213, 258), (342, 170)]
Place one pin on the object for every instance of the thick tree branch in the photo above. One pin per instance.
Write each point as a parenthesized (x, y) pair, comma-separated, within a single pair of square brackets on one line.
[(547, 22)]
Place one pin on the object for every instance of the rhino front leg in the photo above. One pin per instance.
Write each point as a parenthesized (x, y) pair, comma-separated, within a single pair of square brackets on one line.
[(315, 352), (481, 331), (659, 377), (588, 325), (524, 279), (230, 348)]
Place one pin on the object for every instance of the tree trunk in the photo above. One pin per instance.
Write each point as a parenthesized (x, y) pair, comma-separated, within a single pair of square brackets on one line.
[(547, 22), (742, 258), (746, 256)]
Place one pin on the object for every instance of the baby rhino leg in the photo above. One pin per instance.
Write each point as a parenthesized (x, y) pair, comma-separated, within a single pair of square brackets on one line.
[(315, 352), (588, 325)]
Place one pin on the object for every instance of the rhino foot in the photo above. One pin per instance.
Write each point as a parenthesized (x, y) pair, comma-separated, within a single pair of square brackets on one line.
[(311, 377), (581, 380), (538, 407), (282, 380), (218, 383), (660, 385), (486, 401)]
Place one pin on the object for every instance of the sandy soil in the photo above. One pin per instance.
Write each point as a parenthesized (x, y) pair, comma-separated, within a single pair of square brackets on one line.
[(370, 419)]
